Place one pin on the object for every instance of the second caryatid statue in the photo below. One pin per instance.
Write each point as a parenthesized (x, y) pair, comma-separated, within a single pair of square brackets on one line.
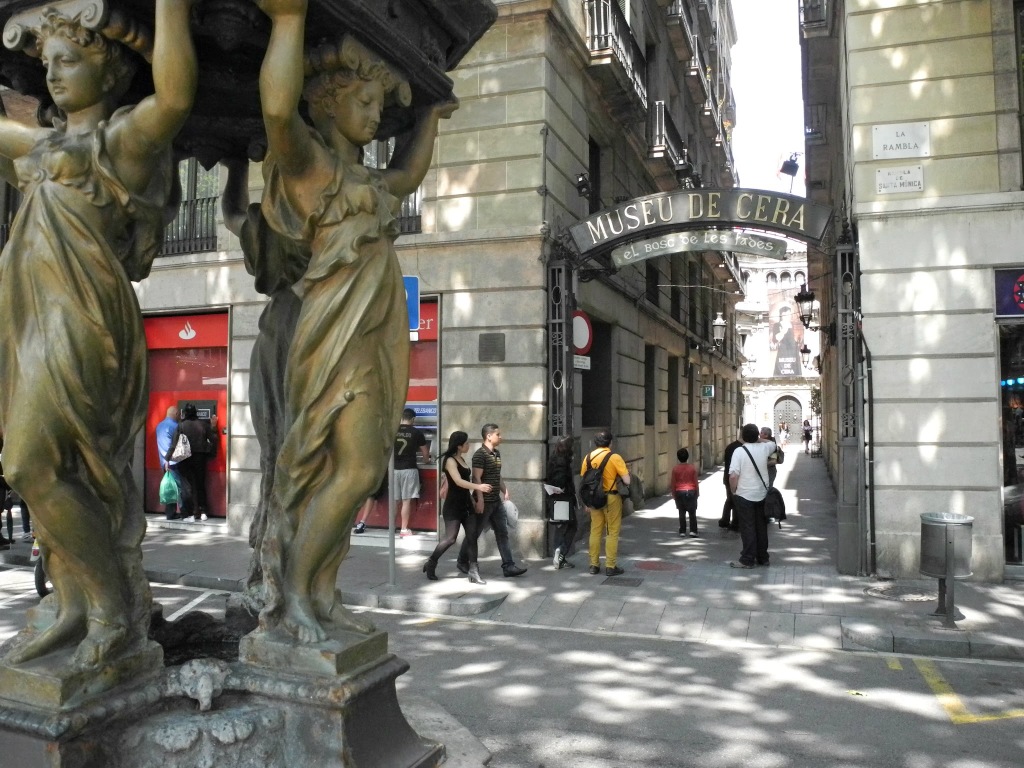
[(123, 93)]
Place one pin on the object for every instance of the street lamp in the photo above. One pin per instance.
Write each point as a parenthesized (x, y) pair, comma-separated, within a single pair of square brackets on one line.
[(805, 354), (805, 303), (718, 330)]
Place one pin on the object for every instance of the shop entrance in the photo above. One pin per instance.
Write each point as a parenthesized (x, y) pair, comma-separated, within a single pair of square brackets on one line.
[(1011, 385), (188, 363)]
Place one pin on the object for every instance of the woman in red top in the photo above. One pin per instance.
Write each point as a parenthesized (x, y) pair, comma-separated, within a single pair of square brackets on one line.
[(685, 491)]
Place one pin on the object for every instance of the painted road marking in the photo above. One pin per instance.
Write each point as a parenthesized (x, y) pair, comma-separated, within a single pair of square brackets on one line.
[(894, 664), (190, 606), (955, 708)]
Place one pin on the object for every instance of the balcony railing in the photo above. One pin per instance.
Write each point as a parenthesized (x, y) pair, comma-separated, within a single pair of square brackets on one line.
[(815, 17), (410, 221), (609, 33), (698, 73), (680, 29), (194, 229), (665, 141)]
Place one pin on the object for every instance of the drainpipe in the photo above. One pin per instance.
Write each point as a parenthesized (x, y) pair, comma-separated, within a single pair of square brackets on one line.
[(869, 444)]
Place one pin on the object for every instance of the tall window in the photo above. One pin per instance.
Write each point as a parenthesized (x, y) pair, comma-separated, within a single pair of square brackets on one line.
[(594, 171), (650, 385), (194, 229), (597, 382), (651, 277), (673, 390), (377, 154)]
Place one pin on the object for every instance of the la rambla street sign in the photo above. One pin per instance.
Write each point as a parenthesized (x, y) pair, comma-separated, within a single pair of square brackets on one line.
[(650, 217)]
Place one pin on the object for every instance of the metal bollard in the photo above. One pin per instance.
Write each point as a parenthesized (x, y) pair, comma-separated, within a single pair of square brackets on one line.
[(946, 547)]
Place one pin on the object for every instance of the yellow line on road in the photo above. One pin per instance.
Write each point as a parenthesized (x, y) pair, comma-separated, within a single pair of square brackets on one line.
[(955, 708), (894, 664)]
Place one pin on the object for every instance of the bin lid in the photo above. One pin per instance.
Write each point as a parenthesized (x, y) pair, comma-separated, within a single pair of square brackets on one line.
[(950, 518)]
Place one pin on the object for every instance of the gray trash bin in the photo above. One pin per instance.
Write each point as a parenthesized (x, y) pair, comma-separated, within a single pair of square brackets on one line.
[(934, 528)]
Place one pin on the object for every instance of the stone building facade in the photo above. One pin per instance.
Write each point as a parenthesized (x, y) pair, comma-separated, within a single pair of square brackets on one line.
[(913, 135)]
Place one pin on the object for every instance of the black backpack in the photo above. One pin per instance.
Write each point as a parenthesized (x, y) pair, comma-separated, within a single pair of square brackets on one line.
[(592, 492)]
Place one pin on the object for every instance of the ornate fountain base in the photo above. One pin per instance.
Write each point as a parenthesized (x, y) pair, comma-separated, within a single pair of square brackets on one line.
[(206, 712)]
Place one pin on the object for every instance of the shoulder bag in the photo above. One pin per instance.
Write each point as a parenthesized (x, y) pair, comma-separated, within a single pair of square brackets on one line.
[(774, 504)]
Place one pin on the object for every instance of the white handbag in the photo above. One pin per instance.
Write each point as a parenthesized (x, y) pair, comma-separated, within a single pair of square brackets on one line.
[(182, 450)]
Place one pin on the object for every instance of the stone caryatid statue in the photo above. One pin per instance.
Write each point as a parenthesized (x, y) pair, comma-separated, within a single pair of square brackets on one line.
[(98, 189), (347, 371)]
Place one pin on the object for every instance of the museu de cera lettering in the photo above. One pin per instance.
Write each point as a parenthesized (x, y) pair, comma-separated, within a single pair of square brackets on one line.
[(645, 217)]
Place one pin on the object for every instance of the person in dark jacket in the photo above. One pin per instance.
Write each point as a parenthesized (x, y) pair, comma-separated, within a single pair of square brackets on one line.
[(560, 474), (192, 470), (727, 520)]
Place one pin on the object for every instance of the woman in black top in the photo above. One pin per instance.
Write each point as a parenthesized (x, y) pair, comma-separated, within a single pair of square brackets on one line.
[(458, 506), (560, 474)]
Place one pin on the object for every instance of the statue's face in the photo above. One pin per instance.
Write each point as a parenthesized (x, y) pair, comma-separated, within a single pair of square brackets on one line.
[(74, 75), (358, 111)]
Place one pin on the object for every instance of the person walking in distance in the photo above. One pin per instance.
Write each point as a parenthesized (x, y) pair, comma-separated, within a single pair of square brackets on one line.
[(748, 475), (685, 492), (609, 517), (560, 475), (487, 470), (807, 437), (458, 507), (408, 442)]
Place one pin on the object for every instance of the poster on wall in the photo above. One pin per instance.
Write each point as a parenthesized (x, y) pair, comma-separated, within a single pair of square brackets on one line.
[(785, 335)]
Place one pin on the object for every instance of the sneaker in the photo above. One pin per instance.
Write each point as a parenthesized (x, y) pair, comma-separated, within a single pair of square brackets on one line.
[(557, 559), (405, 532), (203, 516), (682, 533), (360, 527), (513, 570), (28, 536), (615, 571), (189, 519), (738, 564), (563, 563), (594, 570), (693, 535)]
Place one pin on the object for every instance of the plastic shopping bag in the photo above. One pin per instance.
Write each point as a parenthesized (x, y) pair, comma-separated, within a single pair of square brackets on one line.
[(168, 489)]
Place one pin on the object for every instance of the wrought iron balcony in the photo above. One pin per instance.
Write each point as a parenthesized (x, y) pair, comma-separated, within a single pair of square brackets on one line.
[(710, 119), (816, 17), (194, 229), (666, 150), (616, 60), (680, 29), (698, 74)]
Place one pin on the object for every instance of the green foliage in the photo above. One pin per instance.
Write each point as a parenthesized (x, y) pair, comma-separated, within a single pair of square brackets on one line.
[(816, 400)]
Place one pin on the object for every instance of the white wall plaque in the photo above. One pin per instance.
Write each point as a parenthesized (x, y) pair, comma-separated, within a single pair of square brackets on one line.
[(891, 142), (906, 178), (581, 362)]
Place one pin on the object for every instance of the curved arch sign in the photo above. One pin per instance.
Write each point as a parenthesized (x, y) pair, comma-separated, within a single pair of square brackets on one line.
[(641, 228)]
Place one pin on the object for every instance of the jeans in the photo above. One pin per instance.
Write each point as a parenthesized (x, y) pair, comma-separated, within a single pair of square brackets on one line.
[(753, 530), (494, 516), (686, 505), (611, 516)]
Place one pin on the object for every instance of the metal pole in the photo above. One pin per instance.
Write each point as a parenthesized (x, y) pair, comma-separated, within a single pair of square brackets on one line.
[(392, 571), (949, 608)]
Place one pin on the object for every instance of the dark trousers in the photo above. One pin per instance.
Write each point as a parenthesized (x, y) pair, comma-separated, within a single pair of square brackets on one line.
[(493, 516), (753, 530), (686, 505), (187, 483), (471, 524), (727, 509)]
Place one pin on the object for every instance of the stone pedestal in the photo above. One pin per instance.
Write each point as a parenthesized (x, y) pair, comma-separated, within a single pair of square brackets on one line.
[(330, 705)]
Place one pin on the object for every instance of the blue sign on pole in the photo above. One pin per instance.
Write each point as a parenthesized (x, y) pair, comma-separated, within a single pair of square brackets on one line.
[(412, 300)]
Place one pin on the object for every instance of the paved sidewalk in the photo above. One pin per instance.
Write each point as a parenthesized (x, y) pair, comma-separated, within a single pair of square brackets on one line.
[(672, 587)]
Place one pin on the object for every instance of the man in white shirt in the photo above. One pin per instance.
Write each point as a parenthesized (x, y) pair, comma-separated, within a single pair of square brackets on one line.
[(748, 478)]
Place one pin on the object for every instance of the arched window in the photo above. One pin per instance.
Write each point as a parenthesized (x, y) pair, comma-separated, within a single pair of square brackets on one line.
[(772, 279), (786, 280), (800, 278)]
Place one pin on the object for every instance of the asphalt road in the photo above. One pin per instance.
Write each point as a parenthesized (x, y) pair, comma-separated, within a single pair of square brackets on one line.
[(541, 697)]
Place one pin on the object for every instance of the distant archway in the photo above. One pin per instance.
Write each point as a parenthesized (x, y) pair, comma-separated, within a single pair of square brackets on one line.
[(788, 410)]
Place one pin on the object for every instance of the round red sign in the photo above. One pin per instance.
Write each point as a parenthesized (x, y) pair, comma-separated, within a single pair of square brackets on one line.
[(582, 332)]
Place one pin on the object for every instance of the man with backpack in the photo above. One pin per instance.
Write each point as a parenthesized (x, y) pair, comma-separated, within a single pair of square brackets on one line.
[(600, 471)]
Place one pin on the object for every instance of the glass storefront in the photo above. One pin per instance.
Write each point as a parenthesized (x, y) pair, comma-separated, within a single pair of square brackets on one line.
[(1011, 348)]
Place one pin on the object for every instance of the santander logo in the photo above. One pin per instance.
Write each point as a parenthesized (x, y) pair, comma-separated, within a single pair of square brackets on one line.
[(187, 333)]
